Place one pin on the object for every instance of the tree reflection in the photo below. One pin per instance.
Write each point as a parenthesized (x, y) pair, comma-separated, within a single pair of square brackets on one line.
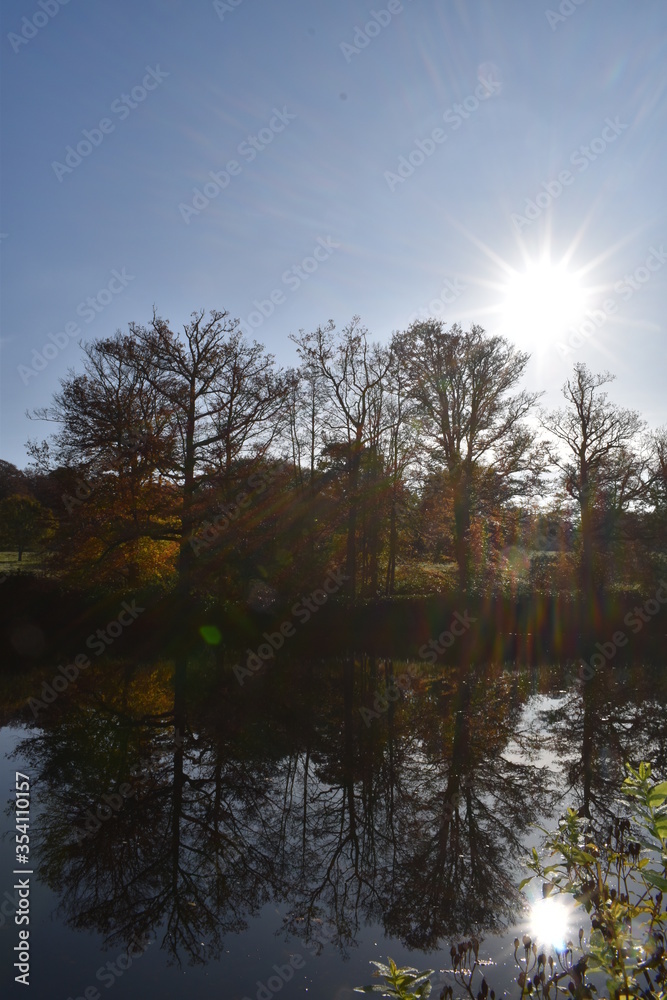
[(185, 853), (617, 715), (283, 794)]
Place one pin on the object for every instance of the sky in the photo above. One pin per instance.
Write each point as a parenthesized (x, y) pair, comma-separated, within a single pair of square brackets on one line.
[(499, 162)]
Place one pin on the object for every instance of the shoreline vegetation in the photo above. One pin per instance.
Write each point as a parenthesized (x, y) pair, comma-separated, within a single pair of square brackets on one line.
[(43, 620), (189, 467)]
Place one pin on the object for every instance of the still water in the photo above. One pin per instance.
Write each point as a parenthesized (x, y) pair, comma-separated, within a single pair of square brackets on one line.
[(193, 837)]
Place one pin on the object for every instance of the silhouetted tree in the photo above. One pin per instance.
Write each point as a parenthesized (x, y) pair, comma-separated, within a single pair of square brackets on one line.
[(472, 424), (352, 371), (601, 467), (24, 523)]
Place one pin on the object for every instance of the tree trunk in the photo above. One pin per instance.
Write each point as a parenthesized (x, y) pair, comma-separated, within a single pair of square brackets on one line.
[(587, 749), (462, 530), (185, 552), (393, 540), (587, 527), (353, 480)]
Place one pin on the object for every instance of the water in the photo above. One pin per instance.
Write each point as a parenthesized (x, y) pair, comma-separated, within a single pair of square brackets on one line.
[(270, 839)]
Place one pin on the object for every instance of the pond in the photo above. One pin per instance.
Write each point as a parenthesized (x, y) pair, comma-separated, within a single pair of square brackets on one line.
[(191, 836)]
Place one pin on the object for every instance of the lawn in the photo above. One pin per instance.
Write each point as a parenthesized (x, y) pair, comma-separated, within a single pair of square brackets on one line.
[(31, 562)]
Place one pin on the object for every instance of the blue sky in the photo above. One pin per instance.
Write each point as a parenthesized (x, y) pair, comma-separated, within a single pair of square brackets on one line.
[(308, 114)]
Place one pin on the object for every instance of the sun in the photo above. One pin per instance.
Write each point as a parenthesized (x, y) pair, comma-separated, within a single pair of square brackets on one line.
[(541, 303), (546, 301)]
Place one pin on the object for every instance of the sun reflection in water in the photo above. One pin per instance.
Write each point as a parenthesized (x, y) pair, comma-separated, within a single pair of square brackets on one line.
[(551, 922)]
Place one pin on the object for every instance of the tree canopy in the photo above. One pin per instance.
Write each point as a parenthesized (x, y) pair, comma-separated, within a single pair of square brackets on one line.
[(191, 459)]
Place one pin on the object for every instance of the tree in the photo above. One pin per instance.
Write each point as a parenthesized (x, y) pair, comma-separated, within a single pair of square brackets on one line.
[(24, 523), (472, 423), (12, 480), (402, 441), (352, 371), (601, 467), (656, 519), (225, 399), (107, 465), (306, 403), (163, 421)]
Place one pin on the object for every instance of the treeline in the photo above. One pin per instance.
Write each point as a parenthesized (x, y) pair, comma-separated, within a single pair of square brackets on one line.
[(191, 462)]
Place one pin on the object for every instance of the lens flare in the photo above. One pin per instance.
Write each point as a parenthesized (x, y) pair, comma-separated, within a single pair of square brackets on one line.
[(211, 635)]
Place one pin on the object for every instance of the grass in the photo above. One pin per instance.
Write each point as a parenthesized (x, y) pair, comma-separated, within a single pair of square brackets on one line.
[(31, 561), (424, 577)]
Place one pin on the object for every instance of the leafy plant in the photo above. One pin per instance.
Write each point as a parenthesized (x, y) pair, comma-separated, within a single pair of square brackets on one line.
[(618, 875), (404, 984), (607, 873)]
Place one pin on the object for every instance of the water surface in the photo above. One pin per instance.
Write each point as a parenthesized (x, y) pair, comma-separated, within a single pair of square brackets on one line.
[(272, 838)]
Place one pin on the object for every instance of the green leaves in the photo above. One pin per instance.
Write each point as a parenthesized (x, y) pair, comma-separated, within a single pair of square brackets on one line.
[(655, 879), (658, 795), (609, 879), (403, 984)]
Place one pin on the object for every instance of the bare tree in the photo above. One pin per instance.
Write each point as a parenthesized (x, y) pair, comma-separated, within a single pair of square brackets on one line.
[(225, 397), (180, 411), (657, 488), (600, 463), (401, 447), (352, 371), (305, 408)]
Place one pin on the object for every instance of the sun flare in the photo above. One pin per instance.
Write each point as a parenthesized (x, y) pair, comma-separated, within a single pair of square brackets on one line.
[(542, 302), (550, 922)]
